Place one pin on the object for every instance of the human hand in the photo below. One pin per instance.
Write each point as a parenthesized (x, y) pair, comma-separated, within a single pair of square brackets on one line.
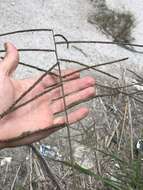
[(37, 119)]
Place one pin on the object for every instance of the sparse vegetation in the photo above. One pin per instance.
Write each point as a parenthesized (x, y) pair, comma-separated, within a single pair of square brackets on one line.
[(110, 133), (117, 25)]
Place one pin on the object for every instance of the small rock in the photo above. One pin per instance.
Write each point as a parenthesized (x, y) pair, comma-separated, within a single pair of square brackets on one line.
[(6, 160)]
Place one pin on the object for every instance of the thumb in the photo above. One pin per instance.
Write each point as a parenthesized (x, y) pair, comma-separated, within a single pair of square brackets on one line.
[(11, 59)]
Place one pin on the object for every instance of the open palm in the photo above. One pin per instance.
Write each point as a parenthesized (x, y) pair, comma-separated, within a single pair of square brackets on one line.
[(37, 119)]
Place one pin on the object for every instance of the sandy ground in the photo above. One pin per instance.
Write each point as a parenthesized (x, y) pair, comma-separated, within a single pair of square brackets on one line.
[(68, 18)]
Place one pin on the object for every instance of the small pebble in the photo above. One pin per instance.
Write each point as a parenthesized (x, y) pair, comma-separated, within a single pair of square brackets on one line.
[(12, 3)]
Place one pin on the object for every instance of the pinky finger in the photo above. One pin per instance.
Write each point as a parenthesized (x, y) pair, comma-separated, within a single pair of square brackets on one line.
[(72, 117)]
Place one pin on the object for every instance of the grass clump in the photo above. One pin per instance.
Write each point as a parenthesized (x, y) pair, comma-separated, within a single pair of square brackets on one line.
[(117, 25)]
